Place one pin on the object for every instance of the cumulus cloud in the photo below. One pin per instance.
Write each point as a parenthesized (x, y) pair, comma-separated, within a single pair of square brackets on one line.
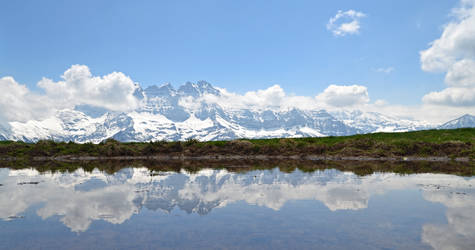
[(117, 92), (451, 97), (345, 22), (17, 103), (272, 96), (275, 98), (461, 74), (344, 96), (456, 42), (333, 98), (114, 91), (454, 53)]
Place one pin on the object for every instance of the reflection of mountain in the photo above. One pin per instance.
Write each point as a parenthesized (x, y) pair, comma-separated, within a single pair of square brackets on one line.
[(81, 197)]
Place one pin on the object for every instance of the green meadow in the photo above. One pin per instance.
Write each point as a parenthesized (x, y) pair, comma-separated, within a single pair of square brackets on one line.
[(450, 143)]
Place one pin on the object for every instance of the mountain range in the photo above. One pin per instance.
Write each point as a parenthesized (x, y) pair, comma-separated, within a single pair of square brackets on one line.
[(163, 116)]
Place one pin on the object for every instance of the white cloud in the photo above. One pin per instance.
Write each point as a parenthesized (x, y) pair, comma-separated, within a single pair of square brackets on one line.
[(454, 53), (272, 96), (451, 97), (114, 91), (461, 74), (380, 102), (344, 96), (17, 103), (456, 42), (345, 22), (275, 98), (333, 98), (387, 70)]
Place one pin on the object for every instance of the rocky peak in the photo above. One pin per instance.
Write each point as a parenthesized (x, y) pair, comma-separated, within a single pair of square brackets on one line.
[(198, 89), (465, 121), (160, 91)]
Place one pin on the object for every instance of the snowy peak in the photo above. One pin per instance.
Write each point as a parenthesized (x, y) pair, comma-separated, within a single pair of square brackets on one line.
[(370, 122), (198, 89), (465, 121), (164, 90), (165, 114), (139, 93), (188, 89)]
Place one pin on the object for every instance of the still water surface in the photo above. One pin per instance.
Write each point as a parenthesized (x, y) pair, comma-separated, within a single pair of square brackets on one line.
[(218, 209)]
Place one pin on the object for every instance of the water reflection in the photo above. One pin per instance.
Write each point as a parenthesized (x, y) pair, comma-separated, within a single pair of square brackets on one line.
[(81, 197), (459, 233)]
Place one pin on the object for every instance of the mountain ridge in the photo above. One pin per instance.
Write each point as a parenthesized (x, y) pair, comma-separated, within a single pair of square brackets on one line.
[(465, 121), (163, 116)]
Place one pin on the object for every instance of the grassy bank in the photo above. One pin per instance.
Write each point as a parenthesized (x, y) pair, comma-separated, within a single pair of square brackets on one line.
[(449, 143)]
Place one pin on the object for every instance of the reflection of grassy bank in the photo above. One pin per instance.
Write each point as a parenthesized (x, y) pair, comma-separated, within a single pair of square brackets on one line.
[(359, 168), (450, 143)]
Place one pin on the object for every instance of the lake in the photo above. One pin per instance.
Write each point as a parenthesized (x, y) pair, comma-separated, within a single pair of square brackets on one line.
[(207, 208)]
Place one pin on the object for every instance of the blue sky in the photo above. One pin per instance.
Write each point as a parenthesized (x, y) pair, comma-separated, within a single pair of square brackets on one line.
[(237, 45)]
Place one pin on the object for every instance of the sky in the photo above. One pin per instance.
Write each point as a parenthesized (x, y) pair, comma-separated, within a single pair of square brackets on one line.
[(413, 58)]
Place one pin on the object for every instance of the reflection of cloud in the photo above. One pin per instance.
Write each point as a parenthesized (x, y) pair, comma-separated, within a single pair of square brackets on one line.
[(345, 198), (459, 233), (81, 197), (275, 195), (112, 204)]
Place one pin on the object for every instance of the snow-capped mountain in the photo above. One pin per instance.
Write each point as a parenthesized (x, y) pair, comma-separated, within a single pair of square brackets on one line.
[(369, 122), (466, 121), (164, 115)]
